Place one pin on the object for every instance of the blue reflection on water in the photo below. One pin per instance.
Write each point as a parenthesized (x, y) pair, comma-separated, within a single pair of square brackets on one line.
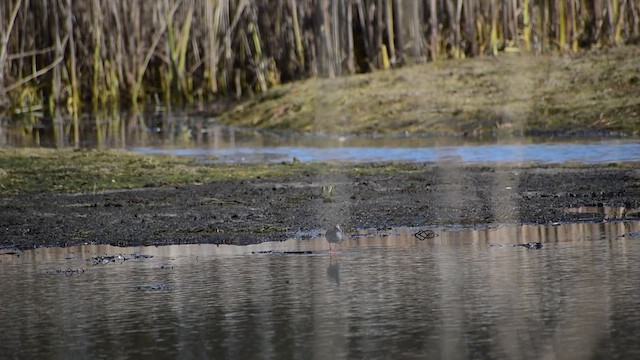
[(545, 153)]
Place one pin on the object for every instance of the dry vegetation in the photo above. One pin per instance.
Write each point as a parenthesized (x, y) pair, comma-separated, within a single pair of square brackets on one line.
[(99, 55), (589, 93)]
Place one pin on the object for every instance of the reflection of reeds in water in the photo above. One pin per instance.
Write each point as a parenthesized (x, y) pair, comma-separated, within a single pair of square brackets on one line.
[(117, 130), (104, 53)]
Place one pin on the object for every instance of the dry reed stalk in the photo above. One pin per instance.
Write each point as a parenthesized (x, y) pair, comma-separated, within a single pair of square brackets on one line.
[(390, 30), (494, 28), (75, 87), (433, 21), (6, 32)]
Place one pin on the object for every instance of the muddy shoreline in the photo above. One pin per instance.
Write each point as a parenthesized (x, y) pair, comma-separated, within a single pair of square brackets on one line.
[(279, 207)]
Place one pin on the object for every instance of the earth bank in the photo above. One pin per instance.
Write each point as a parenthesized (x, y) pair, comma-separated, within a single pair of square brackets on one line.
[(277, 207)]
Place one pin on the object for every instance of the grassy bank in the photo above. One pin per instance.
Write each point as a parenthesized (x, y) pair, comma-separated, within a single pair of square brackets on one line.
[(47, 170), (34, 171), (29, 171), (597, 91)]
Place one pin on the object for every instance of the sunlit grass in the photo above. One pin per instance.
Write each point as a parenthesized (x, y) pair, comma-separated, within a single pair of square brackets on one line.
[(510, 94), (27, 171), (37, 170), (46, 170)]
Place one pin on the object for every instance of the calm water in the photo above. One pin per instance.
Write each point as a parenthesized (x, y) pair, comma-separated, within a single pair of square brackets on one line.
[(384, 295), (205, 138), (544, 153)]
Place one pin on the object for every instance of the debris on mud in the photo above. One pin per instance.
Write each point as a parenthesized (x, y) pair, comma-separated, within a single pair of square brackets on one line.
[(11, 253), (425, 234), (118, 258), (275, 252), (107, 259), (531, 245), (153, 287), (140, 256), (66, 272), (632, 235)]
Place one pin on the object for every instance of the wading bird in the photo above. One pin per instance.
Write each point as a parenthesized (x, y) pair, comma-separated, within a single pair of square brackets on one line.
[(334, 236)]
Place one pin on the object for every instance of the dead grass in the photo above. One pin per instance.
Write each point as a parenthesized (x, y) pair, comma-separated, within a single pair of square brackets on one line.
[(597, 91)]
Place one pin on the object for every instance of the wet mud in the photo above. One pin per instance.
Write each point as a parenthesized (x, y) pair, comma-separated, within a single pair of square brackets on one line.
[(302, 205)]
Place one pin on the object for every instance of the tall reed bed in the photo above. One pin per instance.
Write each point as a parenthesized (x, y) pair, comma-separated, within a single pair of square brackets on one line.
[(102, 55)]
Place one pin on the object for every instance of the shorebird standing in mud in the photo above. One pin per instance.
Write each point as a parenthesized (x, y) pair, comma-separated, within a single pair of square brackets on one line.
[(334, 236)]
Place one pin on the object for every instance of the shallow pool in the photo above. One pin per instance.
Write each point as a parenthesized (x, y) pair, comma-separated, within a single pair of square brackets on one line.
[(462, 293)]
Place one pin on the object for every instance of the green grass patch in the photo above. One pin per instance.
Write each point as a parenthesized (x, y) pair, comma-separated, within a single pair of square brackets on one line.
[(28, 171), (48, 170)]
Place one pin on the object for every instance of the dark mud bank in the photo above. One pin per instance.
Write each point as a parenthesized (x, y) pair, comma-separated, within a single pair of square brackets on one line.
[(271, 209)]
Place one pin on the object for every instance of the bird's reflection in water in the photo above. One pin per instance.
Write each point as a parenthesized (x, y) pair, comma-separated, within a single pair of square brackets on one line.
[(333, 270)]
